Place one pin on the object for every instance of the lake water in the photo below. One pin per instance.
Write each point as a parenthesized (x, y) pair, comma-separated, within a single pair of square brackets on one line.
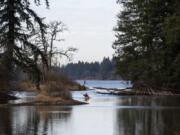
[(104, 115), (106, 84)]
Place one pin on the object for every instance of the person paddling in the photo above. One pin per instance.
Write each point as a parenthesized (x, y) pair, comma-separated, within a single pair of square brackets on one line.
[(86, 96)]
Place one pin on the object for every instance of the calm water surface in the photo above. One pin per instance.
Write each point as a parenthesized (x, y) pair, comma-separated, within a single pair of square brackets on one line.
[(104, 115)]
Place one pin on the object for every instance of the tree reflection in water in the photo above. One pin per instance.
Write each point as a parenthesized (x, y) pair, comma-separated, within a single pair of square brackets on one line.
[(148, 121), (107, 116), (6, 120), (32, 120)]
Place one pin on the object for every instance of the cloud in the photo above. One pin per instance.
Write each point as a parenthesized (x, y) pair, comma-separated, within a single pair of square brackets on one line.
[(90, 23)]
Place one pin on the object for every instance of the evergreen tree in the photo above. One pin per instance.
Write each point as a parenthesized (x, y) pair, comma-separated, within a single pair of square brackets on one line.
[(172, 50), (16, 24), (106, 68), (141, 46), (92, 70)]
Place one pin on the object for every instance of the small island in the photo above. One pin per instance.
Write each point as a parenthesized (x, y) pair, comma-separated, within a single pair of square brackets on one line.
[(55, 92)]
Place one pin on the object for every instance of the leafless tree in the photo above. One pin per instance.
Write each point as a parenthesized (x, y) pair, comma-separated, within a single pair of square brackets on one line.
[(50, 45)]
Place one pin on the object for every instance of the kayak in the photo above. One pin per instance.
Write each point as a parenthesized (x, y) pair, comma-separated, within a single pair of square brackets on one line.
[(86, 96)]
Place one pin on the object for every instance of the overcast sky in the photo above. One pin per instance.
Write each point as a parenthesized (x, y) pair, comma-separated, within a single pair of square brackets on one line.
[(90, 24)]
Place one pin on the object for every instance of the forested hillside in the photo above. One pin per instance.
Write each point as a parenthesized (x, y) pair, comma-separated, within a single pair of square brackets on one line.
[(94, 70)]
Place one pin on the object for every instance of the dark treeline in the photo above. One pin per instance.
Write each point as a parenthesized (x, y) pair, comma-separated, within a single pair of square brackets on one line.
[(147, 45), (94, 70)]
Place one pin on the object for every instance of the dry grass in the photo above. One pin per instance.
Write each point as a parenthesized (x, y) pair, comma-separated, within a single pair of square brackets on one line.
[(45, 98), (58, 77), (42, 100), (55, 89), (25, 85), (55, 85)]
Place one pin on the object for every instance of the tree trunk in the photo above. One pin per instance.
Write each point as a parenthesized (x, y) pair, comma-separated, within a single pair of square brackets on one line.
[(8, 54)]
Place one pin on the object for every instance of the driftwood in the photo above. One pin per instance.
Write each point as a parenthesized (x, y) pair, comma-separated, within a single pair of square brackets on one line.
[(144, 91)]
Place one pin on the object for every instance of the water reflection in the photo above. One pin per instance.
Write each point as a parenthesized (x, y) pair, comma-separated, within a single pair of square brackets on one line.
[(147, 122), (105, 115), (32, 120), (156, 101), (5, 121), (159, 116)]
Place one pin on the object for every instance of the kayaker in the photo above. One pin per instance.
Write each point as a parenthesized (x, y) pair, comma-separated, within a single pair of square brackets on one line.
[(86, 95)]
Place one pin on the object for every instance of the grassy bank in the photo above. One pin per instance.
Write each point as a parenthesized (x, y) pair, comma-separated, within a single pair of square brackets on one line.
[(54, 90), (43, 100), (61, 82)]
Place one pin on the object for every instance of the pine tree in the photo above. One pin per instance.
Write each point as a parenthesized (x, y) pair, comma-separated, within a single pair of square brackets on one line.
[(172, 50), (143, 49), (17, 21)]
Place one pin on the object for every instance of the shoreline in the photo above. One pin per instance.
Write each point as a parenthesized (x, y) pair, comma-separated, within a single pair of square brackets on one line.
[(37, 103), (39, 100), (136, 92)]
